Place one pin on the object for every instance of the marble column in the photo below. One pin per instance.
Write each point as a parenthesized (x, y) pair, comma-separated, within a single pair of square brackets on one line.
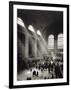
[(26, 45), (35, 47), (55, 44)]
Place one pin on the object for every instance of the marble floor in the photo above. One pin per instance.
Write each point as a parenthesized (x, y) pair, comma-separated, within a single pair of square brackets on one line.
[(28, 74)]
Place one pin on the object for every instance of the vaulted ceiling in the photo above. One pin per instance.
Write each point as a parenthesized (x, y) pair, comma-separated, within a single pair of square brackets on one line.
[(48, 22)]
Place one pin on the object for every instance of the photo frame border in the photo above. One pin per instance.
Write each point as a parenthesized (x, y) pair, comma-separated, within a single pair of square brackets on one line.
[(11, 3)]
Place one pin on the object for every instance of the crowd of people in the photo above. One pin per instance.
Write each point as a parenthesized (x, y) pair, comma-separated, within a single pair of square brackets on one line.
[(55, 67), (47, 68)]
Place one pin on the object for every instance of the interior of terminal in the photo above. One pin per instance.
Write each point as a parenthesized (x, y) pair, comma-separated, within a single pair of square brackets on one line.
[(39, 44)]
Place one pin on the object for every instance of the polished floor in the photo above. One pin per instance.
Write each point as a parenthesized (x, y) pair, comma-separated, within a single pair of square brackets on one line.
[(28, 74)]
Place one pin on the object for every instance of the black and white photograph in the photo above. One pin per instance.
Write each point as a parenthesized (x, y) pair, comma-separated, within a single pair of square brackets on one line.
[(39, 44)]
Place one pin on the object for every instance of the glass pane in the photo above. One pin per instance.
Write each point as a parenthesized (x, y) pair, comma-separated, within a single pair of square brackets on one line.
[(51, 42), (60, 41)]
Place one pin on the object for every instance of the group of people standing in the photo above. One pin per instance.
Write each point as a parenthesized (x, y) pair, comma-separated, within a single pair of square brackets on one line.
[(55, 67)]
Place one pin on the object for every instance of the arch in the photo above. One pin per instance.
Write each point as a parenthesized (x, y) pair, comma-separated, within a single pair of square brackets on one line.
[(38, 32), (60, 41), (51, 36), (20, 22), (51, 42), (30, 27)]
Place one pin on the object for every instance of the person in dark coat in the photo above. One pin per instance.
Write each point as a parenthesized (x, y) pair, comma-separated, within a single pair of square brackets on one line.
[(58, 71), (49, 67), (34, 73)]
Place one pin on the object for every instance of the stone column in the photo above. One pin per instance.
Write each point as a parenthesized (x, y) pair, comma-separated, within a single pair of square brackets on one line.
[(26, 45), (35, 47), (55, 43)]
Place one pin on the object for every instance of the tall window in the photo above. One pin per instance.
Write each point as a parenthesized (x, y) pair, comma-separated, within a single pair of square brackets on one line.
[(51, 42), (60, 41)]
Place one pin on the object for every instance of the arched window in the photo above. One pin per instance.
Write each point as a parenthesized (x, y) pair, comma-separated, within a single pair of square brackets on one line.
[(20, 22), (51, 42), (38, 32), (60, 41), (30, 27)]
